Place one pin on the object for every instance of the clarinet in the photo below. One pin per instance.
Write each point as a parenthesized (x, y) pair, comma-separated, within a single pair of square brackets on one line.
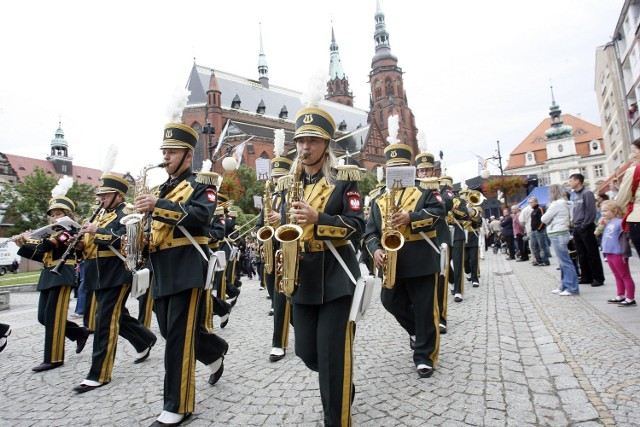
[(72, 245)]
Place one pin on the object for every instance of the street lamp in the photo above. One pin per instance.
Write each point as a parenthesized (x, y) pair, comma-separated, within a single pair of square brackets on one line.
[(209, 131), (485, 173), (229, 163)]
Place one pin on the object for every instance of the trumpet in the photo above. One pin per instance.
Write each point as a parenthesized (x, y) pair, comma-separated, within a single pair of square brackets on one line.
[(473, 197), (74, 242)]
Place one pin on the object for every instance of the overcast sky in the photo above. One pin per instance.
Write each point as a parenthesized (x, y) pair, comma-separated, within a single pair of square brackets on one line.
[(475, 71)]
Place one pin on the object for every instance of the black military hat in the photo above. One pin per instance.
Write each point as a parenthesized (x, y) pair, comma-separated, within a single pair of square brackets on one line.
[(61, 202), (398, 155), (280, 166), (177, 135), (314, 121), (110, 183), (424, 160)]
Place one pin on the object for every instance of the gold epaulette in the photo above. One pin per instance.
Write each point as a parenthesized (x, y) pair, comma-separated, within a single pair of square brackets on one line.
[(207, 178), (219, 210), (429, 183), (375, 192), (348, 173), (128, 209), (284, 182)]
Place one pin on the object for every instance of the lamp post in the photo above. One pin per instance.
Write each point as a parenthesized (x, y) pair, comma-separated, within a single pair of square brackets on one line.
[(485, 173), (209, 131)]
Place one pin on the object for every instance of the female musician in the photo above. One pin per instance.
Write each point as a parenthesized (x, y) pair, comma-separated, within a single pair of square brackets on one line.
[(54, 289), (330, 215)]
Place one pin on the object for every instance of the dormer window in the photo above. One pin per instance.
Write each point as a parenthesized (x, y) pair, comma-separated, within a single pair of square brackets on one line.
[(236, 102), (595, 145), (283, 112), (342, 126), (530, 157), (261, 107)]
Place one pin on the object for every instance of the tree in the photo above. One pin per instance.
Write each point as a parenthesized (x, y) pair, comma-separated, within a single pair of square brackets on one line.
[(513, 186), (231, 187), (27, 202)]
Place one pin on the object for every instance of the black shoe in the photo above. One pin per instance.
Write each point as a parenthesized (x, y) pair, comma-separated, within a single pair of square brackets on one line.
[(82, 341), (626, 303), (443, 328), (5, 336), (412, 343), (425, 372), (546, 264), (276, 357), (83, 388), (224, 320), (46, 366), (213, 378), (157, 423), (584, 282), (146, 355), (615, 300), (475, 284), (271, 312), (595, 284)]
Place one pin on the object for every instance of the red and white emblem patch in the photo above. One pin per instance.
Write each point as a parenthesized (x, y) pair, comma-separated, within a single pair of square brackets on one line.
[(354, 200), (450, 193), (211, 195), (438, 196)]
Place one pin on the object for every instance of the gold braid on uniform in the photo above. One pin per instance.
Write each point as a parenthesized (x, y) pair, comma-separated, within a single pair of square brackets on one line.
[(348, 173), (285, 182), (429, 183), (207, 178)]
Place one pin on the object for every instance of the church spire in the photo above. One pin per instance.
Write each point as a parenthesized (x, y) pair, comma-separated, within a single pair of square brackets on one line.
[(59, 153), (263, 69), (338, 85), (381, 37), (558, 129)]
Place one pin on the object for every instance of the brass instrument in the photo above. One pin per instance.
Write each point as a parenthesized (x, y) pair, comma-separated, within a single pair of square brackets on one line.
[(133, 241), (249, 228), (473, 197), (71, 249), (392, 240), (288, 256), (266, 232)]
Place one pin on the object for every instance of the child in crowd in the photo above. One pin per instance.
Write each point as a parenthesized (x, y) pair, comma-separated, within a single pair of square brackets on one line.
[(618, 253)]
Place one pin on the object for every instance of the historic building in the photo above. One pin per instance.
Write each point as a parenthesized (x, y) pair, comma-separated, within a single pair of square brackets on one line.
[(243, 109), (558, 147)]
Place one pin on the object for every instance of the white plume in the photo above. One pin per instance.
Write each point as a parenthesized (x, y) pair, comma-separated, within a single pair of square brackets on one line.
[(110, 159), (463, 183), (64, 184), (380, 173), (278, 142), (177, 103), (206, 166), (394, 127), (341, 161), (422, 141), (315, 90)]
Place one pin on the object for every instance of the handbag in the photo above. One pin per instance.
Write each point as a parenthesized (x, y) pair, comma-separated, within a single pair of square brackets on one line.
[(625, 246)]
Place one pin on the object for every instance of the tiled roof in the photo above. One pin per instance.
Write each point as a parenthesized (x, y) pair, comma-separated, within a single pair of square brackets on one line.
[(24, 166), (251, 93), (583, 133)]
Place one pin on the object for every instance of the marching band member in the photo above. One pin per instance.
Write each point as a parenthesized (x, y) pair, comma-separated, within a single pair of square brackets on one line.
[(412, 300), (55, 289), (105, 274), (181, 214), (424, 171), (471, 255), (281, 305), (329, 212), (456, 218), (216, 305)]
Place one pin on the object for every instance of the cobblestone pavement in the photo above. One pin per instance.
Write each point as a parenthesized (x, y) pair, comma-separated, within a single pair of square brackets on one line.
[(515, 355)]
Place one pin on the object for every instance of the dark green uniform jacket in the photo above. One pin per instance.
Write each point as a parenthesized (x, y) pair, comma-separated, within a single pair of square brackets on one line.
[(340, 219), (102, 267), (177, 264), (48, 252)]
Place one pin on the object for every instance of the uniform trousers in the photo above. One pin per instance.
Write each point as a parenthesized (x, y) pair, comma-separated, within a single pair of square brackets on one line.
[(281, 314), (180, 319), (90, 307), (145, 308), (457, 260), (471, 265), (443, 280), (113, 319), (324, 342), (52, 314), (413, 302)]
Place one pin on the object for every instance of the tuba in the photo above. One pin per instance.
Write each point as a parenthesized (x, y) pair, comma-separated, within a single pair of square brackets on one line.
[(132, 245), (265, 233), (392, 240), (288, 256)]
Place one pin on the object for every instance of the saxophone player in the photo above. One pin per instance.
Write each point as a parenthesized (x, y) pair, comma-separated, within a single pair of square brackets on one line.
[(105, 274), (456, 218), (181, 213), (280, 304), (329, 212), (412, 300)]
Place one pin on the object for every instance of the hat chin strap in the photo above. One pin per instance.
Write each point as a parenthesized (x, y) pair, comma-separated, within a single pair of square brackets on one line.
[(321, 158), (184, 156)]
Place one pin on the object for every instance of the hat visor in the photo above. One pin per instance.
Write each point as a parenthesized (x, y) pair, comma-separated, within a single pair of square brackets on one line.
[(176, 145), (311, 132)]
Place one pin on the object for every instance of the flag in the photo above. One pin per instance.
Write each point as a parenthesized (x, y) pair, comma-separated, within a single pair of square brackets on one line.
[(237, 153), (481, 164), (222, 135)]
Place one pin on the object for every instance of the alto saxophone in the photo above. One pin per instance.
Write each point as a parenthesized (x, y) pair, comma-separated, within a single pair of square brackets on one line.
[(392, 240), (266, 232), (132, 246), (289, 234)]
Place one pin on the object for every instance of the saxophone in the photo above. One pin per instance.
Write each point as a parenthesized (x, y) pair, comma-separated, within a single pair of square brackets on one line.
[(288, 256), (132, 245), (266, 232), (392, 240)]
